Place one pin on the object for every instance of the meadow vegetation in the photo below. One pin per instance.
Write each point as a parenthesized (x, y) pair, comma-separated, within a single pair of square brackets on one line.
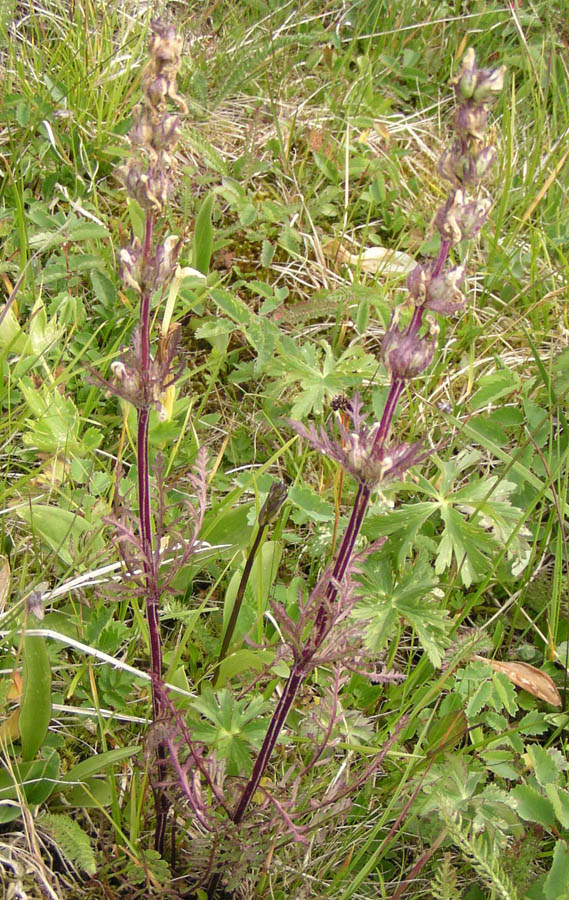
[(283, 542)]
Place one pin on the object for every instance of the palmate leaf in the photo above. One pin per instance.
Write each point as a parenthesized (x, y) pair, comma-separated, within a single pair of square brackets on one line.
[(386, 602), (321, 376), (231, 727), (477, 516)]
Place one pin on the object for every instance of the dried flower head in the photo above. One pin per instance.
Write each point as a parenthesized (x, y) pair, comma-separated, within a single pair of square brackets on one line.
[(358, 451), (404, 353), (148, 175)]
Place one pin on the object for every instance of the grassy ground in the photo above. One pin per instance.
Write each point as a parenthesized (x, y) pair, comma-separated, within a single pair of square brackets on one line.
[(315, 130)]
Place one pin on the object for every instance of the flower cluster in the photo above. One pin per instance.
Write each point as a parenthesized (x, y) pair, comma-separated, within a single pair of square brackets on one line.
[(465, 164), (359, 452), (148, 173)]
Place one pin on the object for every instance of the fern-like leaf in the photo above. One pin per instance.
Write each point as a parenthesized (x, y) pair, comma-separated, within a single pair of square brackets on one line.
[(71, 841), (480, 853), (444, 886)]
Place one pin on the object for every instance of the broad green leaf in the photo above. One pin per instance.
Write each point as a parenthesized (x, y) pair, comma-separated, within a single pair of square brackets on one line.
[(203, 236), (104, 288), (35, 704), (12, 337), (402, 524), (543, 764), (556, 884), (242, 660), (479, 700), (312, 504), (97, 763), (533, 723), (492, 388), (384, 602), (36, 780), (533, 807), (267, 253), (504, 696), (232, 306), (55, 426), (559, 798), (61, 529), (92, 794), (263, 334)]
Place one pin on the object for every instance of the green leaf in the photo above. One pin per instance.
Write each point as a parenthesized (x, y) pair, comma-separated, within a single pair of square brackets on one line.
[(493, 387), (479, 700), (72, 842), (533, 807), (92, 794), (316, 508), (232, 727), (555, 885), (504, 696), (232, 306), (35, 780), (544, 764), (403, 523), (411, 599), (55, 426), (203, 236), (97, 763), (35, 704), (560, 801), (242, 660), (103, 286), (267, 253), (61, 529)]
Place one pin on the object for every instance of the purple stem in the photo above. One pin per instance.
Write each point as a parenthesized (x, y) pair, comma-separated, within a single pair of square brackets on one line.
[(149, 561), (282, 709), (361, 502)]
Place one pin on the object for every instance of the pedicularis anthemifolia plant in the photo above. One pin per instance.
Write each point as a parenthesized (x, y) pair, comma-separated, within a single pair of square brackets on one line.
[(141, 378), (323, 633)]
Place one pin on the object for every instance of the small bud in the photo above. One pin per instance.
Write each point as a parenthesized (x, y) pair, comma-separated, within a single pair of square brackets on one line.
[(157, 90), (407, 355), (465, 81), (128, 385), (443, 294), (34, 601), (417, 281), (471, 119), (485, 160), (129, 266), (472, 217), (274, 500), (476, 84), (489, 82), (446, 217), (167, 133), (165, 258)]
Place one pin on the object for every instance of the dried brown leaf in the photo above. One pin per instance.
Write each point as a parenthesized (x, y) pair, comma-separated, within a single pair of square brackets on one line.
[(532, 680)]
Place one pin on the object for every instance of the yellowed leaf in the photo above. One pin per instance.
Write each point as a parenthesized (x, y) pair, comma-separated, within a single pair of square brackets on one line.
[(383, 131), (532, 680), (4, 584), (15, 691), (10, 728)]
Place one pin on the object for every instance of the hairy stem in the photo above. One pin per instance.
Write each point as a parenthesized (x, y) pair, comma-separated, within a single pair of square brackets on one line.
[(149, 560)]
